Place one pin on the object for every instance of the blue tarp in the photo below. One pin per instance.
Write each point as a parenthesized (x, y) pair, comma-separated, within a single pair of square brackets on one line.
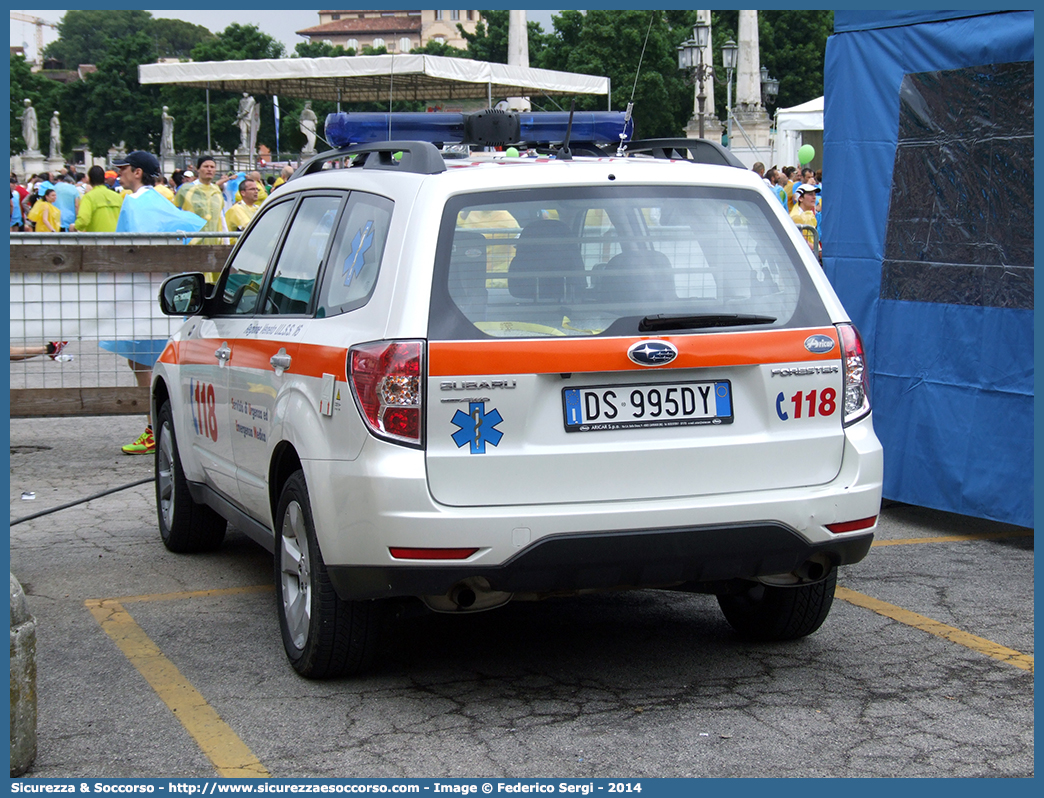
[(928, 240), (151, 212)]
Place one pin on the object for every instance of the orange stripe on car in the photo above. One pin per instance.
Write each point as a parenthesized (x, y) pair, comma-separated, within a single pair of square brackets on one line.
[(307, 360), (580, 355)]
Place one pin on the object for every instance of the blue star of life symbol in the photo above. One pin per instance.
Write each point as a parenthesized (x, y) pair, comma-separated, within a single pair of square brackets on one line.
[(477, 427), (361, 242)]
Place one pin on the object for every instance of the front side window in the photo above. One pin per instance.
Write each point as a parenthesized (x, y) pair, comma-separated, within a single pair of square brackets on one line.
[(242, 283), (592, 261), (357, 253)]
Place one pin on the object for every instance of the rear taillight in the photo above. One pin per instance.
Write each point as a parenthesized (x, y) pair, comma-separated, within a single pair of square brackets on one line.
[(857, 383), (386, 379), (853, 526)]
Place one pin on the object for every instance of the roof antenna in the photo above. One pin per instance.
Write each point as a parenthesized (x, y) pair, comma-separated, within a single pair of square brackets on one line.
[(564, 153), (622, 149)]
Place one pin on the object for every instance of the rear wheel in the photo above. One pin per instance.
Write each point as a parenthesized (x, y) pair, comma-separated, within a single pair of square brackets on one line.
[(323, 635), (185, 526), (766, 612)]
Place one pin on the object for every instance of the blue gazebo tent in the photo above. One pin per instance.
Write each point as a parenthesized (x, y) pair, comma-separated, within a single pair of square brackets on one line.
[(928, 240)]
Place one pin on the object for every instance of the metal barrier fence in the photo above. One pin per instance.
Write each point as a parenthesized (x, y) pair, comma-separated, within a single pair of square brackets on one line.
[(97, 292)]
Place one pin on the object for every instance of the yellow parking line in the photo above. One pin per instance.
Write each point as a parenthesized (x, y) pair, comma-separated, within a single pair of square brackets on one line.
[(966, 639), (1019, 533), (221, 745), (187, 594)]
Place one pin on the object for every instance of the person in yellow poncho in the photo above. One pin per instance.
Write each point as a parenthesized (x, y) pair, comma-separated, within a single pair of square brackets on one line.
[(205, 198), (45, 213)]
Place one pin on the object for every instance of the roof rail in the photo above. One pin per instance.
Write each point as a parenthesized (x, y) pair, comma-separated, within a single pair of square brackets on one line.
[(417, 157), (695, 150)]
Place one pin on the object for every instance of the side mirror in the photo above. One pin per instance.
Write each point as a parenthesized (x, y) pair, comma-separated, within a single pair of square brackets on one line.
[(183, 294)]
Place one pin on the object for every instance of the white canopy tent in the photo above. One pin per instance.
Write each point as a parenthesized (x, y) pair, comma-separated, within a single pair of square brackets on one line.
[(375, 78), (792, 125)]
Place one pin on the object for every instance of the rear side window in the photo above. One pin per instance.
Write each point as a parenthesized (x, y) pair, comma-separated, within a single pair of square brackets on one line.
[(355, 260), (593, 261)]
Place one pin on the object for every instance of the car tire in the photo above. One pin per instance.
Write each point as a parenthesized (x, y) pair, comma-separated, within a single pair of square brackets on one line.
[(767, 612), (185, 525), (324, 636)]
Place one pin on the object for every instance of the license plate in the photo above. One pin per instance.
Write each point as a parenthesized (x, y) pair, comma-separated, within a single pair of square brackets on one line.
[(608, 407)]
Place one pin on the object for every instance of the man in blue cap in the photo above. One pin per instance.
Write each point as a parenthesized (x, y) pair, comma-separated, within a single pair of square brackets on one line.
[(145, 210)]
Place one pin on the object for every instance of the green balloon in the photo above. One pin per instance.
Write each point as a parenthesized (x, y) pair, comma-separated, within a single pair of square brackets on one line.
[(806, 154), (511, 152)]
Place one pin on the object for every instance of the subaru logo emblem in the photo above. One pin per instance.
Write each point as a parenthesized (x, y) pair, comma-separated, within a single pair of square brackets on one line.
[(819, 344), (652, 353)]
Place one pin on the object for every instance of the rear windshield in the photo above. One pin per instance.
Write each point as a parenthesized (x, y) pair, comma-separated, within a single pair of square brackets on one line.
[(604, 261)]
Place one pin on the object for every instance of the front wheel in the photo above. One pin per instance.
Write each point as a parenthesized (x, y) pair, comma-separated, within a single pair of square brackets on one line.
[(323, 635), (767, 612), (185, 526)]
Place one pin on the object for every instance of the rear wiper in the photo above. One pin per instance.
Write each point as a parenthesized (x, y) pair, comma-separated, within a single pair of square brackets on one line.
[(699, 321)]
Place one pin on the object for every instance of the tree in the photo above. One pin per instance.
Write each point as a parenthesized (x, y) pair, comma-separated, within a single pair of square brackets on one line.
[(433, 47), (489, 42), (86, 37), (636, 51), (238, 43), (110, 105), (793, 47), (175, 38), (320, 50)]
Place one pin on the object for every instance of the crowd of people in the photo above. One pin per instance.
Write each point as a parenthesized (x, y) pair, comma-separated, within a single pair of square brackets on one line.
[(93, 201), (133, 196), (801, 193)]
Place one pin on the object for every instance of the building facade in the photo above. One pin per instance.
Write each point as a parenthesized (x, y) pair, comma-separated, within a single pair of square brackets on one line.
[(397, 31)]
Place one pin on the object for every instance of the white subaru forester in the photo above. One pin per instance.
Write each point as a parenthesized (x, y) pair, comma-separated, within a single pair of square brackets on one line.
[(467, 379)]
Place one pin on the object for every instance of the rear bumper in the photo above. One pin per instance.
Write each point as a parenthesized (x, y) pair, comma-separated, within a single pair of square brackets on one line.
[(607, 560)]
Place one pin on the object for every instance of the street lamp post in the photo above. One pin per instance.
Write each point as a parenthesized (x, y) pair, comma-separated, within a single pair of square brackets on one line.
[(690, 58), (769, 86), (729, 56)]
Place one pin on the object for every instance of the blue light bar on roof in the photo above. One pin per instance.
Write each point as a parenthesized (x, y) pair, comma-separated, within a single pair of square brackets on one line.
[(592, 126), (483, 127), (343, 130)]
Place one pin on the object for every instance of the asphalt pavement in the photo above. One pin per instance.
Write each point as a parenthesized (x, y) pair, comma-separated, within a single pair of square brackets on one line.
[(924, 667)]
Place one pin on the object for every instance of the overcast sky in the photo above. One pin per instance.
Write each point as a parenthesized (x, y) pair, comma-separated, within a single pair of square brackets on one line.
[(278, 24)]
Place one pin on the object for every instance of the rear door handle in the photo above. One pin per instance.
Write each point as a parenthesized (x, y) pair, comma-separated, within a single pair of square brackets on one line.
[(223, 352)]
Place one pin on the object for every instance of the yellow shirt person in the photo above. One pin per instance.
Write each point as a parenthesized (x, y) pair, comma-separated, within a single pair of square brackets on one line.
[(240, 214), (45, 214)]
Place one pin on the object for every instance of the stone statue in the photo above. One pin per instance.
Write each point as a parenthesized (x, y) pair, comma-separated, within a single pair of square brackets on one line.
[(308, 123), (167, 139), (243, 120), (255, 126), (56, 137), (29, 131)]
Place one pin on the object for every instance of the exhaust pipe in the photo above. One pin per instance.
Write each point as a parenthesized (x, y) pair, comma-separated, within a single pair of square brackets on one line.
[(473, 594), (462, 596)]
